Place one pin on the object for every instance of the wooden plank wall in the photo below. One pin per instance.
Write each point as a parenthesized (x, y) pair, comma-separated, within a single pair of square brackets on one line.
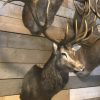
[(18, 48)]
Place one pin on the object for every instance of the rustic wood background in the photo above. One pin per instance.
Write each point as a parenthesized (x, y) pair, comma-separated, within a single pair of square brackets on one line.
[(19, 51)]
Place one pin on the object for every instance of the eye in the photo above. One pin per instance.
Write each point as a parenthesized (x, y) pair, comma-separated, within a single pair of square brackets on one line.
[(63, 54)]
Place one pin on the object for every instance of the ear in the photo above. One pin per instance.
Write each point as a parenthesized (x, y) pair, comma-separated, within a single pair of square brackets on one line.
[(55, 47), (76, 47)]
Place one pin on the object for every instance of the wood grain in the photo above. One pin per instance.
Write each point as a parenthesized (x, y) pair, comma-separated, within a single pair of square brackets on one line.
[(13, 40), (23, 56)]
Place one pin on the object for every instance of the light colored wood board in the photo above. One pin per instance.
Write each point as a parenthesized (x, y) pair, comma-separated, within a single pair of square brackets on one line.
[(13, 70), (12, 25), (84, 93), (23, 55), (15, 11), (10, 87), (14, 97), (1, 98), (62, 95), (11, 10), (65, 3), (71, 4), (15, 25), (59, 22), (65, 12), (16, 2), (24, 41)]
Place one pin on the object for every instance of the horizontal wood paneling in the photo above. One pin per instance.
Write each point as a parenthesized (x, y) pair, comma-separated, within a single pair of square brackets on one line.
[(14, 85), (12, 40), (11, 10), (13, 70), (15, 25), (23, 56), (10, 87)]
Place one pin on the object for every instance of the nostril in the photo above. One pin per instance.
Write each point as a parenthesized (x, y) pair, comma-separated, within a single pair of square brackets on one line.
[(82, 68)]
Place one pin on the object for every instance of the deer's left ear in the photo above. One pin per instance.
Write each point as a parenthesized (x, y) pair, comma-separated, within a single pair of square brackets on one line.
[(55, 47), (76, 47)]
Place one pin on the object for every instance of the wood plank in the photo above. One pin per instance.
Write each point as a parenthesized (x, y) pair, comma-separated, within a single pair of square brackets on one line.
[(71, 4), (10, 87), (15, 25), (23, 56), (85, 93), (13, 70), (12, 25), (14, 97), (21, 41), (62, 95), (11, 10), (13, 86), (58, 21), (16, 2), (1, 98)]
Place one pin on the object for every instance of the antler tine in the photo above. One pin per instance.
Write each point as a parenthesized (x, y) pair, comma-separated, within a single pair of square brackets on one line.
[(64, 41), (84, 33), (45, 25), (47, 13), (79, 37), (97, 10)]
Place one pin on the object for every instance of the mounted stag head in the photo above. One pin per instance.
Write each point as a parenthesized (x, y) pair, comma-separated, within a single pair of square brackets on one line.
[(87, 36), (44, 83), (35, 11), (85, 56), (69, 57)]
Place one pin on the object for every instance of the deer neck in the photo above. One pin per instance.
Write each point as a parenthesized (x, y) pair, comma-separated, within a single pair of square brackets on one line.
[(91, 56)]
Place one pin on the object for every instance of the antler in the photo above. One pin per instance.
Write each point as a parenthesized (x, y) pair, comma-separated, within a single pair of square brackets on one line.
[(93, 5), (83, 29)]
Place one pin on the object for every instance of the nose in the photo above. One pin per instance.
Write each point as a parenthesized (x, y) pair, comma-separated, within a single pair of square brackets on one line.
[(79, 69), (82, 68)]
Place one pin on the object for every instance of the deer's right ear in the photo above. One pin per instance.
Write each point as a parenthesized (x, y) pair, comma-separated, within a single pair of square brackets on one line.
[(55, 47)]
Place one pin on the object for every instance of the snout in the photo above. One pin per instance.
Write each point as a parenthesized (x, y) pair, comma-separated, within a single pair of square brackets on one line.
[(79, 69)]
